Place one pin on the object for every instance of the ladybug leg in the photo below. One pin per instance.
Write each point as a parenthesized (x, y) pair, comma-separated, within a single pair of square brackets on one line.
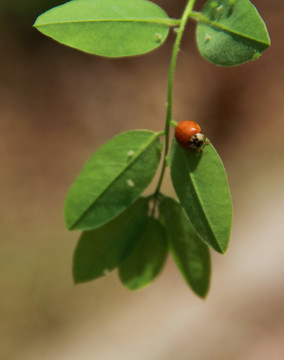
[(206, 141)]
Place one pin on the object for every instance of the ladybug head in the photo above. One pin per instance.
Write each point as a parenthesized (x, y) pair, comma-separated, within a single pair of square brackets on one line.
[(196, 141)]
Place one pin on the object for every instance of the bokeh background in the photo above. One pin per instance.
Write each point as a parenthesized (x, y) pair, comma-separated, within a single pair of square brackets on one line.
[(57, 106)]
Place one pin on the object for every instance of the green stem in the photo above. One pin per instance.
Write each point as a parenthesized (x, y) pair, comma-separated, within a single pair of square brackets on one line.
[(186, 14)]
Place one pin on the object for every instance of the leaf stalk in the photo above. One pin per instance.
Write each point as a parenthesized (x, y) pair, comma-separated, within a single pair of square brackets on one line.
[(185, 16)]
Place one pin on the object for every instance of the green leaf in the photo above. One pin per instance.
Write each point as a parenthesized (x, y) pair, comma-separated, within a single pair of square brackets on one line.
[(147, 258), (231, 32), (100, 251), (111, 28), (112, 179), (190, 253), (201, 185)]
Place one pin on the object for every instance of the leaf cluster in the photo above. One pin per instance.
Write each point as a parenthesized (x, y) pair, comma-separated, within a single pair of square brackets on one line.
[(122, 229), (134, 234), (229, 32)]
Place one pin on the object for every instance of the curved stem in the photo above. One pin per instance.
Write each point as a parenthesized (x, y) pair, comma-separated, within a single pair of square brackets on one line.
[(173, 123), (186, 14)]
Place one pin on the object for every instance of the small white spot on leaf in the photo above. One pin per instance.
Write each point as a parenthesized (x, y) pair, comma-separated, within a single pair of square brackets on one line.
[(208, 37), (130, 153), (158, 37), (219, 8), (130, 183)]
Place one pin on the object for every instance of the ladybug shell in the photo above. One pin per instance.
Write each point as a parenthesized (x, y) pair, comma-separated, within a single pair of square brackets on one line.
[(184, 131)]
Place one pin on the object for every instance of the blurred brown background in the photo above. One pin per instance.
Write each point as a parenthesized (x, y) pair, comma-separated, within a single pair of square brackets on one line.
[(57, 106)]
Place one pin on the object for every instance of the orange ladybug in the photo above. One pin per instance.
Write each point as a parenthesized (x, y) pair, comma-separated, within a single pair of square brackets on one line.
[(188, 135)]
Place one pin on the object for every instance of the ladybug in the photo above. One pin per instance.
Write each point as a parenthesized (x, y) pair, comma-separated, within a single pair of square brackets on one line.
[(188, 135)]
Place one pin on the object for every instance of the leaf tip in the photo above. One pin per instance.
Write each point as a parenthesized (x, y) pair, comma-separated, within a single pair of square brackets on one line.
[(79, 281), (76, 280), (36, 23), (202, 295), (200, 289), (79, 278), (217, 246), (68, 224), (135, 287), (223, 248), (268, 40)]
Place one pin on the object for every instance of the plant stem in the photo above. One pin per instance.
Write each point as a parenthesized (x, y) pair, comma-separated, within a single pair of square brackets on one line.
[(174, 123), (186, 14)]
